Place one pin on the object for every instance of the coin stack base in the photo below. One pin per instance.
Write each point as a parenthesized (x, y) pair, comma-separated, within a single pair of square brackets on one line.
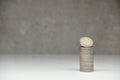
[(86, 59)]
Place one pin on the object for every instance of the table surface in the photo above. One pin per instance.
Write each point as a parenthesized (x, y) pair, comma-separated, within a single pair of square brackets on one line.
[(57, 67)]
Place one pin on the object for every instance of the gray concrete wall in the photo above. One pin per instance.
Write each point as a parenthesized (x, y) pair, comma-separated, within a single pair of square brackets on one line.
[(55, 26)]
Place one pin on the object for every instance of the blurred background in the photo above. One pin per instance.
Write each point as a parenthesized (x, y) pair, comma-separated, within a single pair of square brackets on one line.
[(55, 26)]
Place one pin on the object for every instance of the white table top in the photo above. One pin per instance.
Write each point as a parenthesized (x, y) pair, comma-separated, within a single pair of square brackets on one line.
[(57, 67)]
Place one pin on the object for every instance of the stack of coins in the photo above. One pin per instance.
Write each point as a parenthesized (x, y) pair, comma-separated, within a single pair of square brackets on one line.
[(86, 59), (86, 55)]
